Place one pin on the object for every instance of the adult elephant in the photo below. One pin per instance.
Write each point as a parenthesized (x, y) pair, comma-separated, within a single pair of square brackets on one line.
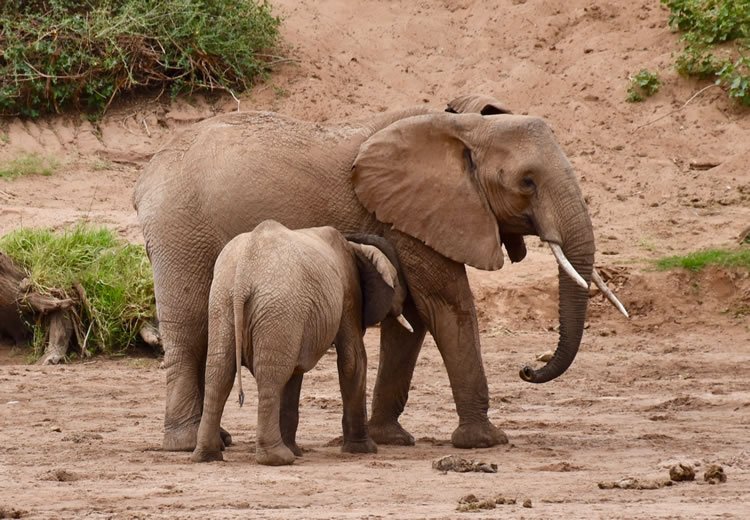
[(446, 188)]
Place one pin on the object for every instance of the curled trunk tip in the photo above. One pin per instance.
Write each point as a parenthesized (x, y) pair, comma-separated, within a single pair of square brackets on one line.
[(528, 374)]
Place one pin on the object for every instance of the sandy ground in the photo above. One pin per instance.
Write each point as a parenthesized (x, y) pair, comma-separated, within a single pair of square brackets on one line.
[(670, 385)]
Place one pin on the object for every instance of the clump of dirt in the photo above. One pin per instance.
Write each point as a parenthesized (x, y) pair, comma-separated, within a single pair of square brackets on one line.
[(681, 472), (562, 467), (634, 483), (11, 512), (60, 475), (527, 503), (461, 465), (80, 437), (679, 403), (714, 474)]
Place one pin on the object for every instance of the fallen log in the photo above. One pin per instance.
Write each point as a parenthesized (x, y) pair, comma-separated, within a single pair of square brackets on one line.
[(22, 306)]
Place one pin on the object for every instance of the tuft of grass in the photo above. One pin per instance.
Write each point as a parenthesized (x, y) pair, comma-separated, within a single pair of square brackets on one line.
[(101, 164), (716, 42), (700, 259), (643, 85), (28, 164), (115, 276), (84, 53)]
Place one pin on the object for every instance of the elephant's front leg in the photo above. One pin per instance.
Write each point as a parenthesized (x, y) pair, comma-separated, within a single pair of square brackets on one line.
[(290, 413), (351, 360), (441, 293), (399, 350)]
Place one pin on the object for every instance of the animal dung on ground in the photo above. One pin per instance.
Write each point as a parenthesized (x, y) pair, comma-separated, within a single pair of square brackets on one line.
[(461, 465), (681, 472), (714, 474), (634, 483), (471, 502)]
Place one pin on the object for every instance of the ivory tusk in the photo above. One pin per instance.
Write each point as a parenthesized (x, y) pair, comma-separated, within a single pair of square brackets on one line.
[(405, 324), (608, 292), (567, 267)]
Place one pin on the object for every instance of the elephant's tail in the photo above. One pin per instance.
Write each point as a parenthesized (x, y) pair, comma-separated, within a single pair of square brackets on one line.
[(239, 327)]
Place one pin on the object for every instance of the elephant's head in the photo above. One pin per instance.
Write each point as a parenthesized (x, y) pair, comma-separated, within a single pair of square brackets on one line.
[(381, 282), (465, 184)]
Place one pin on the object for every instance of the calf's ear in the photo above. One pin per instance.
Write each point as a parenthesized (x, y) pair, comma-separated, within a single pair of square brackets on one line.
[(377, 280)]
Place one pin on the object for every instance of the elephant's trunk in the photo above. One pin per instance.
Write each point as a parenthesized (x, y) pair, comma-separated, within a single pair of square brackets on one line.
[(577, 242)]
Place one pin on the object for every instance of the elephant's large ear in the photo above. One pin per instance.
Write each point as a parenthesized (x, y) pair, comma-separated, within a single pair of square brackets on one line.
[(477, 104), (418, 174), (377, 278)]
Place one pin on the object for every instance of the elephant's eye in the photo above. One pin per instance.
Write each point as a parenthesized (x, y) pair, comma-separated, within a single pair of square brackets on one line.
[(528, 183)]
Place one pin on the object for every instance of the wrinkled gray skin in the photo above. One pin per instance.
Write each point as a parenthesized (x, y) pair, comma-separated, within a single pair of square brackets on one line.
[(446, 189), (278, 300)]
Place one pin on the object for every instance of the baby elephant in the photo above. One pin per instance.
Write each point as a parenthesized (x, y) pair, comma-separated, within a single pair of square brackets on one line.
[(279, 299)]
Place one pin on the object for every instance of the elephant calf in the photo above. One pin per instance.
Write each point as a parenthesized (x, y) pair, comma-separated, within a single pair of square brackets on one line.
[(278, 299)]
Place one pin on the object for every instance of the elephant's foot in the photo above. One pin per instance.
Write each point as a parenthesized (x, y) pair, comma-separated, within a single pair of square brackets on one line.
[(226, 437), (390, 433), (294, 448), (206, 455), (278, 455), (365, 446), (181, 439), (478, 435)]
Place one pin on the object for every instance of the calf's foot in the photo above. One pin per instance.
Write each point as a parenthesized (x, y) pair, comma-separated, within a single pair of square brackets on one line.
[(390, 433), (279, 455)]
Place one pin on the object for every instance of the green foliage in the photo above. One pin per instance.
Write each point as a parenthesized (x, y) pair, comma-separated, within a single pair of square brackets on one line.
[(716, 41), (28, 164), (83, 53), (700, 259), (115, 276), (643, 85)]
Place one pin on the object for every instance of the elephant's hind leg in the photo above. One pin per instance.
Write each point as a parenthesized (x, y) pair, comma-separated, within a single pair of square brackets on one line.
[(182, 279), (272, 374), (221, 368)]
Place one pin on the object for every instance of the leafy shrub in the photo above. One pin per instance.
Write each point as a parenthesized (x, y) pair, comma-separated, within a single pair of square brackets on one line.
[(716, 39), (84, 53), (115, 276), (643, 85)]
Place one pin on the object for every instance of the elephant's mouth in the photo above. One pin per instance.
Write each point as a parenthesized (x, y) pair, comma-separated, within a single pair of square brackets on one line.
[(512, 232), (520, 225)]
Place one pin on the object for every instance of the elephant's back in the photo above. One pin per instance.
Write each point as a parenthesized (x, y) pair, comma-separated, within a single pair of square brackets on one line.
[(297, 286), (238, 169)]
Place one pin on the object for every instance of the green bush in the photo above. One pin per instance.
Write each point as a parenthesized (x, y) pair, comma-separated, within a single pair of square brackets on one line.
[(716, 37), (115, 276), (84, 53), (643, 85)]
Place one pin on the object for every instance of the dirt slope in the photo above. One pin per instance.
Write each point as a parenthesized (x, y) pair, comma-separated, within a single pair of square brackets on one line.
[(670, 384)]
